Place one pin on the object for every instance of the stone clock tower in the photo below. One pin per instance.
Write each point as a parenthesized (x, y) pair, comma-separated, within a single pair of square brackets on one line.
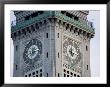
[(52, 44)]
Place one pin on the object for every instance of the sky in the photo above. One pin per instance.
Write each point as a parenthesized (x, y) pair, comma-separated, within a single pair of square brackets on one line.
[(94, 16)]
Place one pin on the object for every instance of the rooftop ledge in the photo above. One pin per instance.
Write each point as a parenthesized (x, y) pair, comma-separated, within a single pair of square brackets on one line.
[(81, 24)]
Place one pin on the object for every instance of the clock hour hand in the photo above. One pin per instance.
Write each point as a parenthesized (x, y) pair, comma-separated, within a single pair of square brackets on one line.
[(71, 52)]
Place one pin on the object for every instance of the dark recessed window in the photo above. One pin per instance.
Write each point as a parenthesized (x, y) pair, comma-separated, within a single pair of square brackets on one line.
[(41, 75), (36, 25), (44, 21), (86, 48), (68, 72), (27, 17), (67, 75), (34, 14), (78, 76), (19, 32), (36, 75), (74, 31), (66, 27), (32, 27), (64, 70), (87, 67), (40, 70), (47, 54), (33, 73), (29, 74), (16, 47), (25, 75), (29, 31), (58, 54), (70, 29), (76, 18), (16, 67), (47, 74), (15, 34), (78, 33), (69, 15), (74, 75), (46, 35), (37, 72), (27, 28), (58, 74), (25, 32), (64, 75), (58, 35), (63, 12), (71, 73)]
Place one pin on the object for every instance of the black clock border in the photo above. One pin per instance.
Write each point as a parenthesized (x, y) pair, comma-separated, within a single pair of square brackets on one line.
[(3, 2)]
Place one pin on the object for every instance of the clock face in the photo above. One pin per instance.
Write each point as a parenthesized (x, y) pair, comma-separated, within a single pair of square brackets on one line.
[(71, 52), (32, 51)]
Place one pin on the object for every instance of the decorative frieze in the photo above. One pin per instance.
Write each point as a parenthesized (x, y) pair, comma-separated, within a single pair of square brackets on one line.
[(61, 19)]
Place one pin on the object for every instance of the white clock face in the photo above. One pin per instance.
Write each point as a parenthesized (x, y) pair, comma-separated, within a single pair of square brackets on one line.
[(33, 51), (71, 51)]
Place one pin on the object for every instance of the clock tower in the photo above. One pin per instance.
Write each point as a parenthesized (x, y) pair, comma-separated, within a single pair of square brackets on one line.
[(52, 44)]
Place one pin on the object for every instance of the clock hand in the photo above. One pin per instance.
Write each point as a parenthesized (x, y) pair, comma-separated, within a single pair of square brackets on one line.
[(33, 50), (72, 53), (37, 49)]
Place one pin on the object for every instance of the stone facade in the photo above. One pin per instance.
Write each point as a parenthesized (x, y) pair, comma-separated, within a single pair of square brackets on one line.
[(52, 31)]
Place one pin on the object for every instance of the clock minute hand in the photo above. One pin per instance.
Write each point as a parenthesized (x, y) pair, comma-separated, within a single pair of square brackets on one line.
[(70, 51)]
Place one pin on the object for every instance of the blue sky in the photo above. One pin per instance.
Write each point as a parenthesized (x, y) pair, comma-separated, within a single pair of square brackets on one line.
[(94, 16)]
